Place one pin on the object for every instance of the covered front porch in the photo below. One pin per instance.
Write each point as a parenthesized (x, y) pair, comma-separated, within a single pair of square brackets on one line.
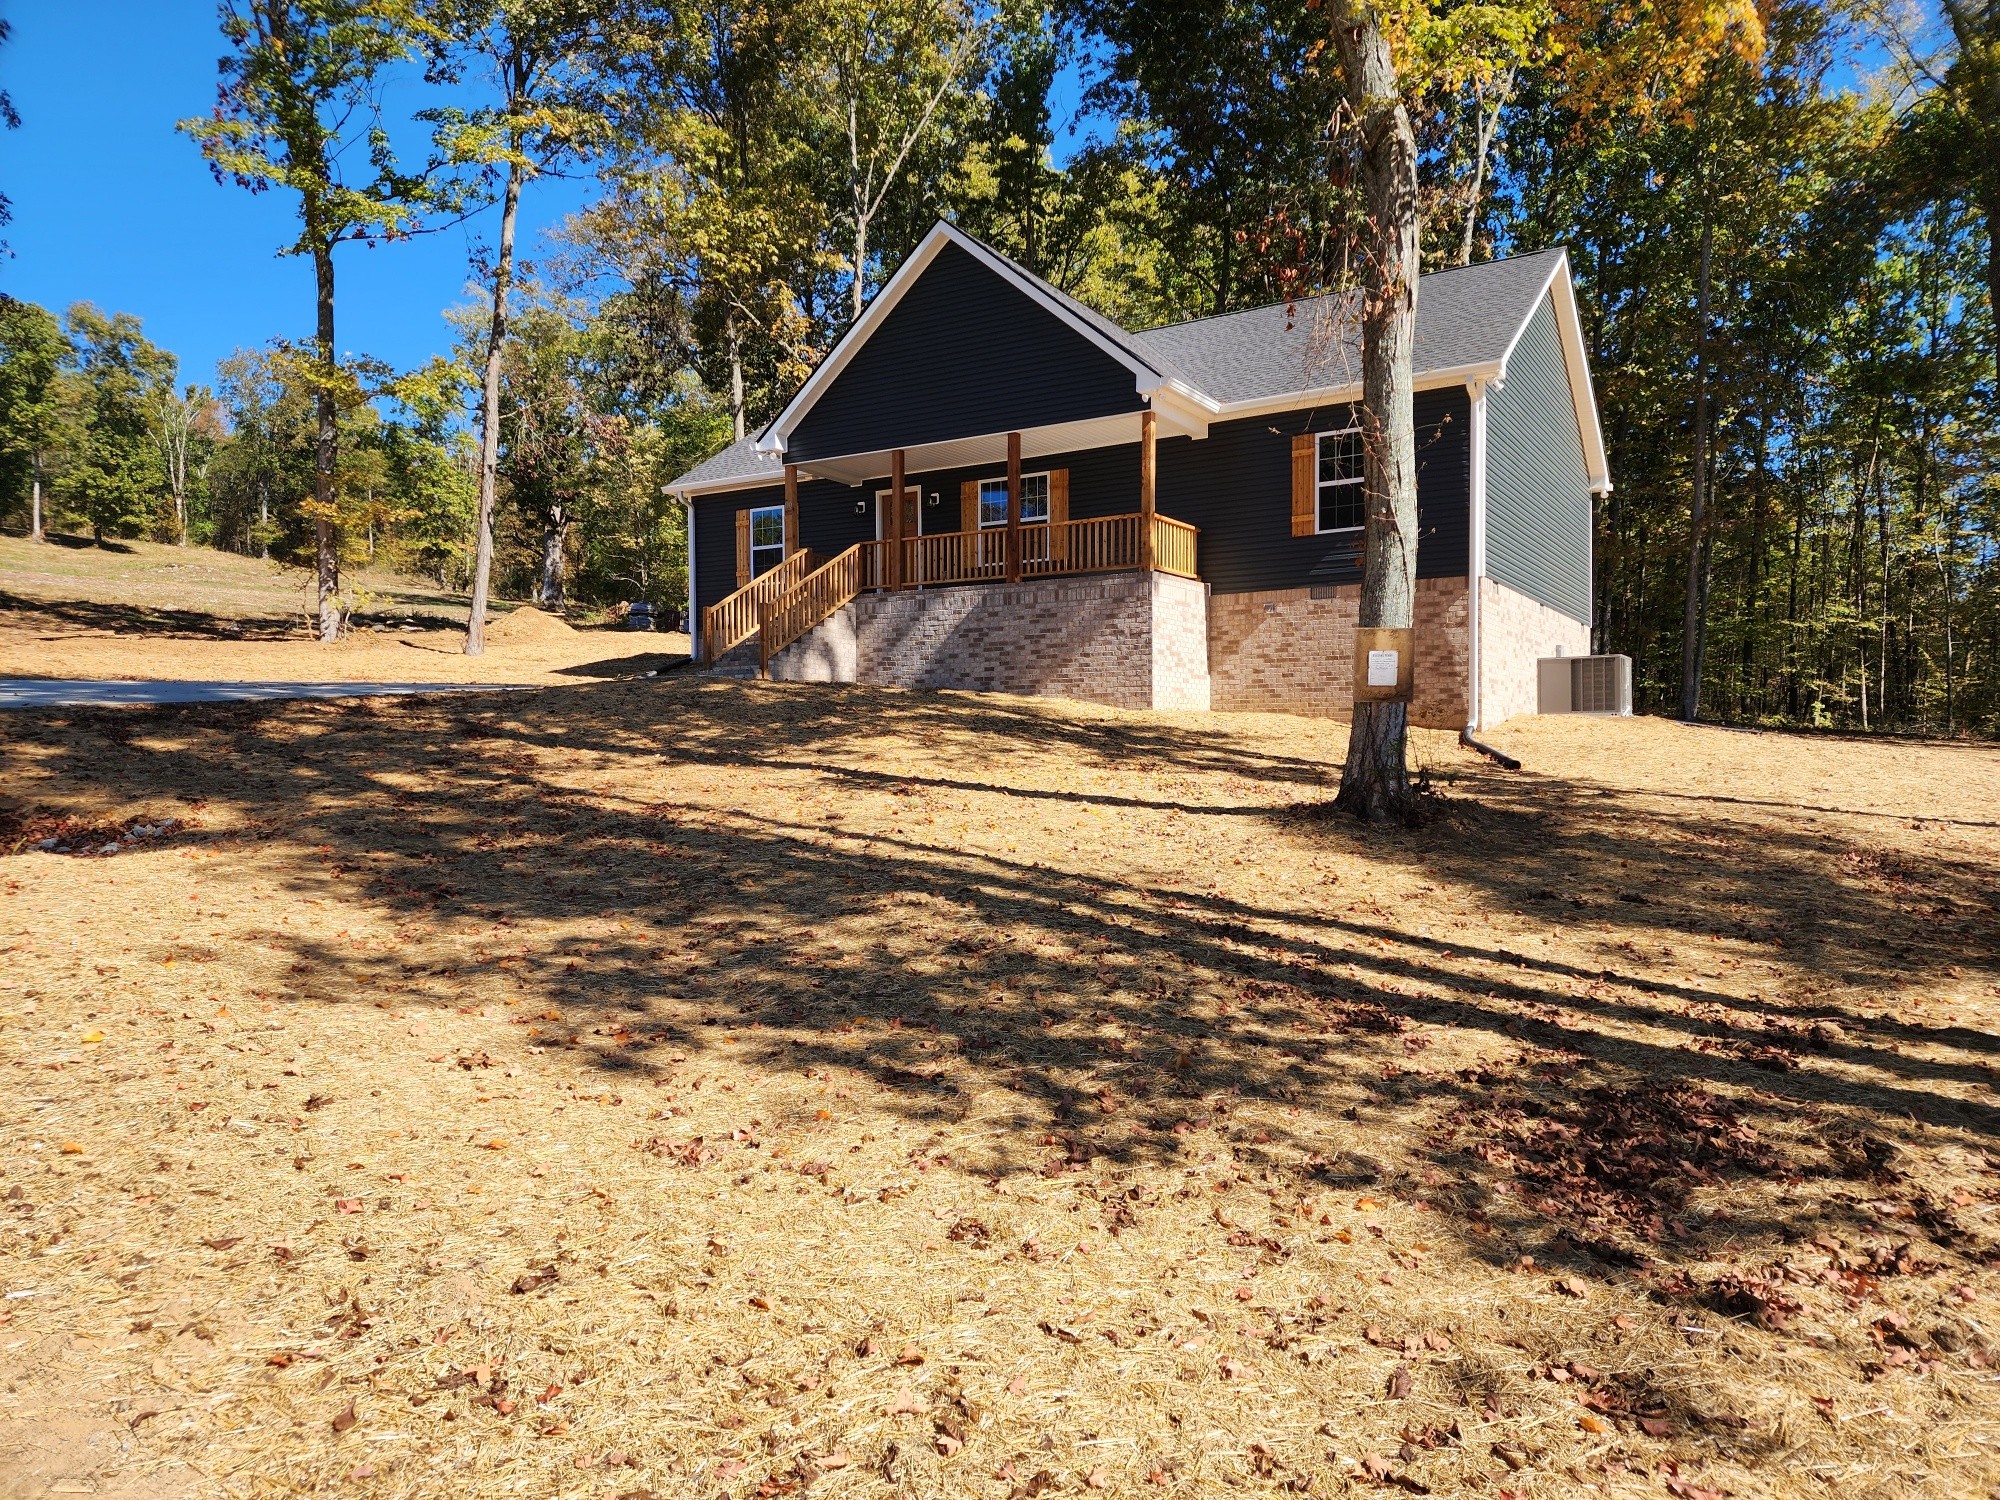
[(778, 606)]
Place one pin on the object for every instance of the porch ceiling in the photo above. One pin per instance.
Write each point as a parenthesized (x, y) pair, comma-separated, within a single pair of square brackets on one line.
[(991, 448)]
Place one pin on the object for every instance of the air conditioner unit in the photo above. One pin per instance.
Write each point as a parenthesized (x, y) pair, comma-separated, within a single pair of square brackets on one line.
[(1586, 685)]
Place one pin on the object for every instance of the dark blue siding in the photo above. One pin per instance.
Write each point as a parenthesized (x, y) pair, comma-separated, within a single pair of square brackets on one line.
[(1236, 485), (1538, 504), (964, 353)]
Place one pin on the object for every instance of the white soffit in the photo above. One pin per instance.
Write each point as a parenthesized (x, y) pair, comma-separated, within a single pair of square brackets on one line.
[(978, 452)]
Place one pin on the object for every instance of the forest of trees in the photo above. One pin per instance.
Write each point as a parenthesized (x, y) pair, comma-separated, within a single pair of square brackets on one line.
[(1780, 214)]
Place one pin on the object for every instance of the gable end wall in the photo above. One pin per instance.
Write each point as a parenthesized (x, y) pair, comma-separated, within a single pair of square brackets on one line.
[(964, 353), (1538, 500)]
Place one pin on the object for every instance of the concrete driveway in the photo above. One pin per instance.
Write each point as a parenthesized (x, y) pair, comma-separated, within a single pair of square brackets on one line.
[(38, 692)]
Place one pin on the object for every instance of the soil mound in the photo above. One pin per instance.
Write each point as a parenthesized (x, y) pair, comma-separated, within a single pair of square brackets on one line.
[(528, 626)]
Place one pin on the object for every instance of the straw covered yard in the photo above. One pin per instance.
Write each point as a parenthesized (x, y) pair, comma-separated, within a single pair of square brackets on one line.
[(685, 1088)]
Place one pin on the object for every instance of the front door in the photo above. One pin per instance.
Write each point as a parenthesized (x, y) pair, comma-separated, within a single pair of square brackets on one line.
[(910, 499), (907, 569)]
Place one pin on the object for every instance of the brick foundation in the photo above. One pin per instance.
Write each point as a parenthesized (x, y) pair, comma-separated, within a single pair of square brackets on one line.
[(1514, 633), (1124, 639), (1292, 651)]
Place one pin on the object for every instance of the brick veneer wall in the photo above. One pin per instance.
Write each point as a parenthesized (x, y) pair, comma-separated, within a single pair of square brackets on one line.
[(1515, 632), (1292, 651), (1124, 639)]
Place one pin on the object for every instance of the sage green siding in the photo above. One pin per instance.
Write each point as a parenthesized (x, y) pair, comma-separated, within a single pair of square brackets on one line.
[(1538, 502)]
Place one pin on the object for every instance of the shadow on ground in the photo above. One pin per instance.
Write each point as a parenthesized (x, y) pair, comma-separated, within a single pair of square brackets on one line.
[(1616, 1035)]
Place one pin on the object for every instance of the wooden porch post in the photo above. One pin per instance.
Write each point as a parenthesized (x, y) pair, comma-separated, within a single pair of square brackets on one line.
[(791, 509), (1013, 507), (1148, 548), (896, 519)]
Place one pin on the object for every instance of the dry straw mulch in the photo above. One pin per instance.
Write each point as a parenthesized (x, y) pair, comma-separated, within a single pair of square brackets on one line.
[(689, 1088), (141, 610)]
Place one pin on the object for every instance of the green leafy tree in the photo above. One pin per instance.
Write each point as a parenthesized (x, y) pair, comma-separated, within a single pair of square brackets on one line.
[(112, 478), (545, 61), (885, 73), (299, 75), (33, 350)]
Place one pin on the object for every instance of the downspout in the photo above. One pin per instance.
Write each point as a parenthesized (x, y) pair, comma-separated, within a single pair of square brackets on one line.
[(693, 615), (1475, 568), (1475, 546)]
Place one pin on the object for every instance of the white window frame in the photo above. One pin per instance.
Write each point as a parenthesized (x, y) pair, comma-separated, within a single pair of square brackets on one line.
[(777, 546), (1026, 475), (1321, 486)]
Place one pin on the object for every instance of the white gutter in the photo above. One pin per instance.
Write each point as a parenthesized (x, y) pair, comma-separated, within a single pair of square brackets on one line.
[(1475, 560)]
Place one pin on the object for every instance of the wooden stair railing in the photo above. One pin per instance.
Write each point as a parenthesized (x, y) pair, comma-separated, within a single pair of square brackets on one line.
[(813, 598), (734, 620)]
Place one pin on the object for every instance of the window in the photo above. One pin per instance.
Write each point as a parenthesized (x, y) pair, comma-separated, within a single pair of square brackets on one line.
[(767, 538), (1034, 500), (1341, 507)]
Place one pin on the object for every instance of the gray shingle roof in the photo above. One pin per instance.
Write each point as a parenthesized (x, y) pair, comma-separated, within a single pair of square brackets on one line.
[(740, 460), (1465, 316)]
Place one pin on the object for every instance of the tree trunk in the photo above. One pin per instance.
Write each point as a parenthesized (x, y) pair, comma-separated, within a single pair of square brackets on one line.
[(733, 336), (860, 288), (1376, 781), (489, 420), (264, 519), (35, 530), (554, 534), (1484, 128), (326, 453), (1691, 617)]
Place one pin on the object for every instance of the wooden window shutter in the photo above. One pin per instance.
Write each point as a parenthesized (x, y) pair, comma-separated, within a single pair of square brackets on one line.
[(1305, 486), (791, 524), (968, 505), (742, 548), (1058, 514)]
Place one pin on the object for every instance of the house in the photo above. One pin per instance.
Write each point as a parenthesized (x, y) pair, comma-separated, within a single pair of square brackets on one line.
[(1165, 519)]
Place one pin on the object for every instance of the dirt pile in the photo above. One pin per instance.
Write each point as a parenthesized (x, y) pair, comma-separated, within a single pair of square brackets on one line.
[(528, 626)]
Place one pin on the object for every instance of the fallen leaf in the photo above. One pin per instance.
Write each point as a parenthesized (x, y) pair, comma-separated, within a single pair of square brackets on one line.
[(142, 1415), (1573, 1286), (1099, 1478), (534, 1280), (1233, 1369), (908, 1403), (71, 1148), (346, 1419), (1400, 1382), (1658, 1427), (1593, 1424), (840, 1458), (1513, 1455), (1377, 1468), (1687, 1489), (361, 1471), (225, 1242), (93, 1036), (911, 1355)]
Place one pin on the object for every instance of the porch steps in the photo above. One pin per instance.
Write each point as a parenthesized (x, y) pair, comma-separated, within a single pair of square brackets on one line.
[(739, 663)]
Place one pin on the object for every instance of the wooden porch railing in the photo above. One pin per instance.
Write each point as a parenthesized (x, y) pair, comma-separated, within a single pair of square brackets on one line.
[(734, 620), (782, 605), (1101, 544), (1174, 546), (784, 619)]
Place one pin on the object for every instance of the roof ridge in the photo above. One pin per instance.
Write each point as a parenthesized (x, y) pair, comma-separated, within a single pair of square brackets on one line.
[(1342, 292)]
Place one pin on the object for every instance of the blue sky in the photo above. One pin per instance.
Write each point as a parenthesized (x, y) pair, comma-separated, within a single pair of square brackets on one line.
[(113, 206)]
